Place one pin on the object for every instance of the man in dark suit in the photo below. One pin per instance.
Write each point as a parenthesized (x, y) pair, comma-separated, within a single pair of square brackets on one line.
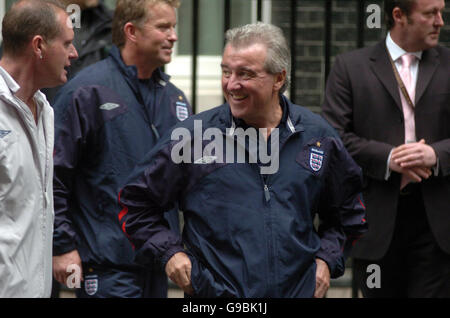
[(401, 139)]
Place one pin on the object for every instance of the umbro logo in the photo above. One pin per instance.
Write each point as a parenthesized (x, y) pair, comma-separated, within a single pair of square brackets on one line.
[(205, 160), (109, 106), (4, 133)]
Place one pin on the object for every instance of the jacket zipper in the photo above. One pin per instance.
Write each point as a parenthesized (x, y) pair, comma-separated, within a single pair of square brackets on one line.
[(155, 131), (272, 280), (266, 192)]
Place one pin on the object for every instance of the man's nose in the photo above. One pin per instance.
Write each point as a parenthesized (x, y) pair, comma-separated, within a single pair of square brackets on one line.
[(73, 53), (233, 83), (173, 35), (439, 21)]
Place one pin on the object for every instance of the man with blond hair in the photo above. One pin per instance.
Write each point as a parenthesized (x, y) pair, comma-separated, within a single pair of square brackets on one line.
[(37, 50), (107, 118)]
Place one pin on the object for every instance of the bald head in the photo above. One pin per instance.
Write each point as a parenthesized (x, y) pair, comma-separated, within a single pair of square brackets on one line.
[(28, 18)]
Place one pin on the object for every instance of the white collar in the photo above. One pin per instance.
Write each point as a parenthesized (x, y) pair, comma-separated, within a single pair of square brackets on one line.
[(10, 82), (396, 51), (13, 87)]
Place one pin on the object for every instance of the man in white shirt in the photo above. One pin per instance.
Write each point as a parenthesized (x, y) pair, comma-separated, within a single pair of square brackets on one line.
[(37, 41), (391, 105)]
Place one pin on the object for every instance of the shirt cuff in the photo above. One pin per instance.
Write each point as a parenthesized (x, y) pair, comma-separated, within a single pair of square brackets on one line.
[(436, 168), (388, 171)]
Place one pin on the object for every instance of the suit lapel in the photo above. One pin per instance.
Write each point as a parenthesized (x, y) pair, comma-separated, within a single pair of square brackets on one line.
[(381, 66), (427, 67)]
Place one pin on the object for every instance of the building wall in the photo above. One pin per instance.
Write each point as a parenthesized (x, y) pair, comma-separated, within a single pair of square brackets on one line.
[(310, 37), (309, 42)]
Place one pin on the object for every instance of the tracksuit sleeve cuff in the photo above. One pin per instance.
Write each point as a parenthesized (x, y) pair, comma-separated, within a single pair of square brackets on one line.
[(171, 252), (335, 265), (63, 249)]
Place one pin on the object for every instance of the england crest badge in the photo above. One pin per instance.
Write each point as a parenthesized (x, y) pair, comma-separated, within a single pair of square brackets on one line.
[(316, 159), (91, 285), (182, 111)]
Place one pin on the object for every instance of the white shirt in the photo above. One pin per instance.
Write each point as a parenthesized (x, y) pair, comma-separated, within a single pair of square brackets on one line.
[(396, 52)]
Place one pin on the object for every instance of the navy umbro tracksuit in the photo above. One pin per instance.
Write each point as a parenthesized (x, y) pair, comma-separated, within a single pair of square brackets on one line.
[(106, 121), (248, 234)]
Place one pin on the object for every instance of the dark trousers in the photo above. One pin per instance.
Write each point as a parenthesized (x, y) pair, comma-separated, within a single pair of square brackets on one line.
[(414, 265), (116, 283)]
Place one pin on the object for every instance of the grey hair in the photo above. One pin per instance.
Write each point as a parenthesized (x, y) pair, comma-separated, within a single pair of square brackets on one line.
[(278, 53)]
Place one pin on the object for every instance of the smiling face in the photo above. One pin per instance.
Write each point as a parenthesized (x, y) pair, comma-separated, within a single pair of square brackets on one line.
[(155, 38), (249, 89), (420, 30)]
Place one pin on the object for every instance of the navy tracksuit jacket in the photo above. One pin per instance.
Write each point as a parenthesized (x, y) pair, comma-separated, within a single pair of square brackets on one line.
[(248, 234), (106, 121)]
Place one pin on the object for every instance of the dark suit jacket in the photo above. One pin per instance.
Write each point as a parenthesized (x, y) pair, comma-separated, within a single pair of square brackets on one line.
[(363, 103)]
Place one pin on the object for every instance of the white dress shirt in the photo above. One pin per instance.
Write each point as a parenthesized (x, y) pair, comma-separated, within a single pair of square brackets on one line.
[(396, 53)]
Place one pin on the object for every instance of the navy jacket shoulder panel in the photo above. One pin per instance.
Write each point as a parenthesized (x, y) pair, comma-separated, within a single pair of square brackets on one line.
[(310, 121)]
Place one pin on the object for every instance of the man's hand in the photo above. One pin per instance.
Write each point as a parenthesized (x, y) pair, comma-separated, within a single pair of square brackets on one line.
[(405, 157), (178, 269), (417, 154), (62, 262), (413, 174), (322, 278)]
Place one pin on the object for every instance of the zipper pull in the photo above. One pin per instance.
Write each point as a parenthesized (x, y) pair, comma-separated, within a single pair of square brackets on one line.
[(266, 193), (155, 131)]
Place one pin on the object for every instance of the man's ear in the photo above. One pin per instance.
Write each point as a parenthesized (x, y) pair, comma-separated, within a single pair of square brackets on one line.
[(39, 46), (129, 30), (399, 16), (280, 79)]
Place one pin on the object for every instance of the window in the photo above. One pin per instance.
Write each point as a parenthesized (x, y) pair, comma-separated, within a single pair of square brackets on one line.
[(212, 21), (211, 39)]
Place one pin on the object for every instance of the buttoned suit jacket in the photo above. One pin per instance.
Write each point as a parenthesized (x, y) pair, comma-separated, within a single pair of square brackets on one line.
[(363, 103)]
